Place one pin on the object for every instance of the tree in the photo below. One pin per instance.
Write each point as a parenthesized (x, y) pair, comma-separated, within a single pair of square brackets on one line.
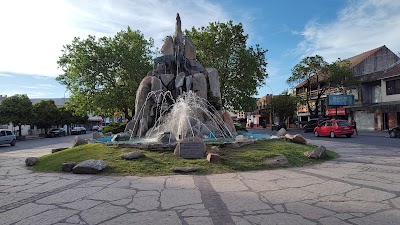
[(16, 109), (46, 114), (284, 106), (103, 74), (241, 68), (321, 76)]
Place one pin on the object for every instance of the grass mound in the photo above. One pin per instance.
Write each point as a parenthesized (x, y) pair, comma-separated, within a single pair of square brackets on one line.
[(246, 158)]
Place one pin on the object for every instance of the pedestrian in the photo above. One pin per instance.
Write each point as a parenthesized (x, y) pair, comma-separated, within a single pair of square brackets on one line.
[(354, 125)]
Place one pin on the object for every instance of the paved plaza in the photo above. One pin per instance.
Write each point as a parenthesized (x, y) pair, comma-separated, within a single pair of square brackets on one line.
[(361, 187)]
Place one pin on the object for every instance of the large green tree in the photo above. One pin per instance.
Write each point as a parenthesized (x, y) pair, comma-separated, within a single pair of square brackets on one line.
[(284, 106), (320, 76), (16, 109), (242, 68), (46, 114), (103, 74)]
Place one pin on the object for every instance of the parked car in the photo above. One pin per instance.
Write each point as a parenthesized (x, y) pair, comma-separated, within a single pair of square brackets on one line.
[(394, 132), (312, 123), (278, 126), (334, 128), (97, 128), (78, 130), (7, 137), (56, 132)]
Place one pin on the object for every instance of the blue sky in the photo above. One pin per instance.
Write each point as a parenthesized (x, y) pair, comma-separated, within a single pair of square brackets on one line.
[(33, 32)]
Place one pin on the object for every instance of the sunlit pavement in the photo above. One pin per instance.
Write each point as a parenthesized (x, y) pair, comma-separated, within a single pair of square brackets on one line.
[(361, 187)]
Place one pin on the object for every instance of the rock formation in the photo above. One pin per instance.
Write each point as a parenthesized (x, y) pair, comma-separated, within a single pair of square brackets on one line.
[(177, 71)]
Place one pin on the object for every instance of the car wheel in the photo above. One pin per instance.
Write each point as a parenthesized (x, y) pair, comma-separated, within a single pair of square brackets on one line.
[(316, 134), (332, 134), (348, 135), (392, 134), (13, 142)]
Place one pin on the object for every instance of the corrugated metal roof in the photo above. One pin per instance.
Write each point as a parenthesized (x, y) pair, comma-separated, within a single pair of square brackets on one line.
[(355, 60)]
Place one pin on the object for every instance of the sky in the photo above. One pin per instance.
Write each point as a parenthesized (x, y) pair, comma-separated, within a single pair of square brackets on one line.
[(33, 32)]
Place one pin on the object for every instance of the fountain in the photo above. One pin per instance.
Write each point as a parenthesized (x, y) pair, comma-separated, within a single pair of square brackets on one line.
[(178, 99)]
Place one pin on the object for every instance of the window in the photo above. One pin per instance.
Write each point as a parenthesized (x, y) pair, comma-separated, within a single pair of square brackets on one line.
[(393, 87), (8, 132), (2, 133)]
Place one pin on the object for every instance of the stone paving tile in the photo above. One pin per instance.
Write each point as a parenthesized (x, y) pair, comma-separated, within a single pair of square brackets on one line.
[(112, 194), (223, 185), (279, 218), (299, 182), (149, 183), (259, 175), (287, 195), (353, 206), (368, 194), (48, 217), (70, 195), (180, 182), (25, 211), (82, 204), (144, 203), (241, 201), (198, 221), (8, 198), (102, 213), (390, 217), (332, 221), (396, 202), (261, 185), (308, 211), (329, 188), (49, 186), (142, 218), (172, 198)]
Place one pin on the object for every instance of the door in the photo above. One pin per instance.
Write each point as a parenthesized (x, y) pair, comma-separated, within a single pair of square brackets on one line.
[(324, 129), (385, 121), (2, 137)]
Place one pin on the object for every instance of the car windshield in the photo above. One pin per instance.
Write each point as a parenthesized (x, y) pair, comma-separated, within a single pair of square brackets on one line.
[(342, 123), (55, 129)]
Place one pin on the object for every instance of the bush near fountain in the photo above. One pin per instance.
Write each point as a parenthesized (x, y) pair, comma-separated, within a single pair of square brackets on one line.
[(246, 158)]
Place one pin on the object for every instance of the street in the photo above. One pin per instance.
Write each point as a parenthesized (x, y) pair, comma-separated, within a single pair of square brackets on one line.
[(360, 187)]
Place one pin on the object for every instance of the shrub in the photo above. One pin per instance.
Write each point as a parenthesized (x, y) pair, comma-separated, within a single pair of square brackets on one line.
[(240, 128), (114, 128)]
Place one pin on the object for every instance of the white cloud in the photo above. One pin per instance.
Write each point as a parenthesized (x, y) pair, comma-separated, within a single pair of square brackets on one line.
[(36, 30), (361, 26)]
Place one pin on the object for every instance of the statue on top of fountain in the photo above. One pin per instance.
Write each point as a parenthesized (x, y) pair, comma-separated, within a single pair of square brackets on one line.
[(177, 71)]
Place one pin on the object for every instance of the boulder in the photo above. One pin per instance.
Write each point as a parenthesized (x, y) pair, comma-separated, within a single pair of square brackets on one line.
[(79, 141), (30, 161), (318, 153), (97, 135), (278, 160), (213, 157), (190, 49), (200, 85), (57, 150), (299, 139), (228, 120), (190, 148), (168, 47), (281, 132), (213, 80), (166, 137), (91, 166), (132, 155), (121, 137), (67, 167), (184, 169), (240, 138), (214, 149)]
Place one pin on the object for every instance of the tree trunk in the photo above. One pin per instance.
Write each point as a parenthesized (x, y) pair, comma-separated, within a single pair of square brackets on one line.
[(20, 129)]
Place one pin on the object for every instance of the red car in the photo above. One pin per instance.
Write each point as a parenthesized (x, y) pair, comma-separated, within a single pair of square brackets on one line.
[(334, 128)]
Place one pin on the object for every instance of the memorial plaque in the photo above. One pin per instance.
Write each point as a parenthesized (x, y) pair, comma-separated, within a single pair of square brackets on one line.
[(191, 148)]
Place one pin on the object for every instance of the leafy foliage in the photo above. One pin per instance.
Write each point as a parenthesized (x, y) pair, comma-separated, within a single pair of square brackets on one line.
[(241, 68), (114, 128), (16, 109), (46, 114), (103, 74), (284, 106), (321, 76)]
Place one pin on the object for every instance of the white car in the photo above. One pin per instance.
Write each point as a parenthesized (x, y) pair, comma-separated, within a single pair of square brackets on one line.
[(78, 130), (97, 128), (7, 137)]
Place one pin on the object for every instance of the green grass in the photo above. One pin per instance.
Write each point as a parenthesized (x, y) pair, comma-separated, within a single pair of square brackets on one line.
[(246, 158)]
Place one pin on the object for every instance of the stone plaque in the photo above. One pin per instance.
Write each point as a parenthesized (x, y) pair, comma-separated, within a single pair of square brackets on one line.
[(191, 148)]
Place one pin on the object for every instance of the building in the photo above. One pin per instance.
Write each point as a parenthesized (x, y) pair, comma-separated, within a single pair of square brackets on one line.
[(262, 115), (376, 106)]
